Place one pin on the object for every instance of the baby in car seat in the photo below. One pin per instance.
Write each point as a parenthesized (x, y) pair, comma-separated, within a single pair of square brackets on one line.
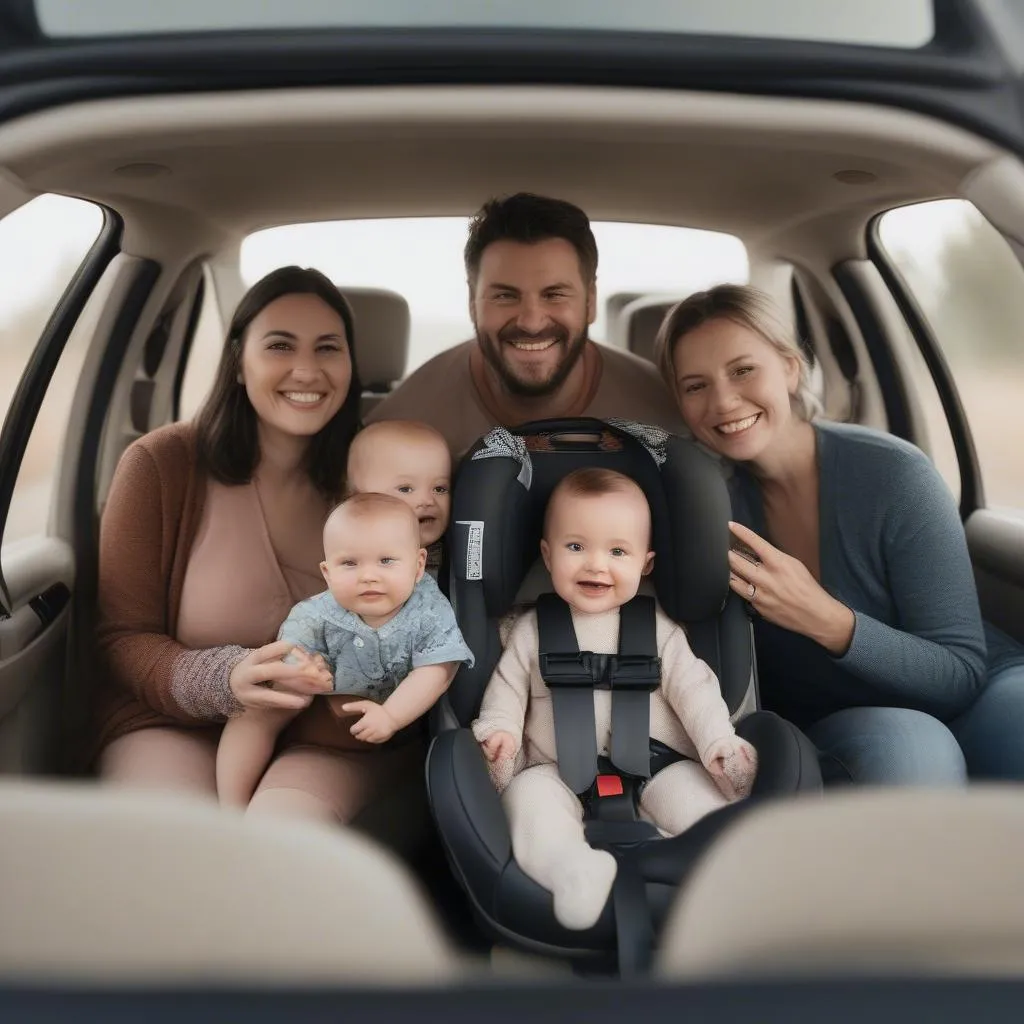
[(411, 461), (383, 633), (596, 542)]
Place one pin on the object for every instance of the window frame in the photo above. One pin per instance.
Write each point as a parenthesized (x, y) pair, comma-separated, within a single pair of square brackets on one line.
[(972, 492), (23, 411)]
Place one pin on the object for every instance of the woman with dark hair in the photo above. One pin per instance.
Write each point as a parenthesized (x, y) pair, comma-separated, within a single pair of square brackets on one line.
[(211, 533)]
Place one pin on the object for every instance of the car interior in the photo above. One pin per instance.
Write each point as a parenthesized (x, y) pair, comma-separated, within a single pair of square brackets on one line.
[(831, 199)]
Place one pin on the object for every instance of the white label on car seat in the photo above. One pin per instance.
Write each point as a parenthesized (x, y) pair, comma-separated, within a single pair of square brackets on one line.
[(474, 548)]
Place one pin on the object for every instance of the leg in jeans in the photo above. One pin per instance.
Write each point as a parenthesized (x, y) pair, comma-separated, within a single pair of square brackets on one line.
[(181, 760), (991, 731), (888, 747), (245, 749)]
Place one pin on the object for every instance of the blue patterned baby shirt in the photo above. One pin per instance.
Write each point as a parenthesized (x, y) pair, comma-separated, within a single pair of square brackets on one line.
[(370, 662)]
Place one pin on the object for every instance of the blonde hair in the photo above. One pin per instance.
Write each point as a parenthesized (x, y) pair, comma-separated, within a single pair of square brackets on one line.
[(749, 307)]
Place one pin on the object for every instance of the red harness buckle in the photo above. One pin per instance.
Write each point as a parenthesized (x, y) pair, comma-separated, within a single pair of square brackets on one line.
[(609, 785)]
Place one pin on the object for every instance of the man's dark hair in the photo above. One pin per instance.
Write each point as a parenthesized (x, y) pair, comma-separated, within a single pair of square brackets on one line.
[(226, 426), (530, 218)]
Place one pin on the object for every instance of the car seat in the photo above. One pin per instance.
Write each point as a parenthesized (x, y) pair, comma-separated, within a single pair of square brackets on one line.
[(500, 493)]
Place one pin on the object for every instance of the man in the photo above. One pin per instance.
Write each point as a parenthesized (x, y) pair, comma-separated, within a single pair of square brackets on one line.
[(531, 265)]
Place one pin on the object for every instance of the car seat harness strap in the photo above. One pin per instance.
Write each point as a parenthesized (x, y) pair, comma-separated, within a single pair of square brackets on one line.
[(572, 676)]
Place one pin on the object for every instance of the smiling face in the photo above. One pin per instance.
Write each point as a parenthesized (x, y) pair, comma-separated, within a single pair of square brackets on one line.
[(734, 389), (295, 365), (531, 309), (372, 558), (409, 461), (596, 547)]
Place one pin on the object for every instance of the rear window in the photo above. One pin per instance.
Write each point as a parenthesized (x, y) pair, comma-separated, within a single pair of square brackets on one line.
[(421, 259), (906, 24)]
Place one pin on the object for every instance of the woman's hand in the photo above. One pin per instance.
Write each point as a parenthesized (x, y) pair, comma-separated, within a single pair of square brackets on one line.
[(263, 680), (785, 593)]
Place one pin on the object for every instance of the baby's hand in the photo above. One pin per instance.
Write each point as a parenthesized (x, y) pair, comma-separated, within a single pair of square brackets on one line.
[(498, 745), (376, 725), (733, 765), (313, 666)]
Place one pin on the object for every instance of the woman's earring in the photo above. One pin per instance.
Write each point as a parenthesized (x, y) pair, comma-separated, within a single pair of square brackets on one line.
[(239, 379)]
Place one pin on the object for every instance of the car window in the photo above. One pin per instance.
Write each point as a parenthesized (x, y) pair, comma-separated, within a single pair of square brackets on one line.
[(42, 244), (969, 286), (910, 23), (421, 259)]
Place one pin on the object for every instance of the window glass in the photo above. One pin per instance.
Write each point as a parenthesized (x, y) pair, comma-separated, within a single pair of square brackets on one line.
[(42, 244), (970, 288), (909, 23), (421, 259)]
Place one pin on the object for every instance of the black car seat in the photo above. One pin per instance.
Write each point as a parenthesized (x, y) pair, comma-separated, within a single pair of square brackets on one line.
[(500, 493)]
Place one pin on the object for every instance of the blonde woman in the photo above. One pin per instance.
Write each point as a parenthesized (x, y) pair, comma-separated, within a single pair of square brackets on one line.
[(850, 550)]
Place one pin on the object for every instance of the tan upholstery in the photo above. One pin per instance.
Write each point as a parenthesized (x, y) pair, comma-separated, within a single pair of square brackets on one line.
[(613, 307), (107, 885), (875, 880), (639, 321), (382, 339)]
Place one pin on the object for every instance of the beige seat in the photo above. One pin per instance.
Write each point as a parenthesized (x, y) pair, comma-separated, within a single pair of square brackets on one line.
[(112, 886), (872, 881), (639, 321), (382, 340)]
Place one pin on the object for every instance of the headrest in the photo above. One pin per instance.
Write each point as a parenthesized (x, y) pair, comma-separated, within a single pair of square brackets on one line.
[(382, 335), (640, 321), (103, 885), (613, 307), (862, 882), (505, 481)]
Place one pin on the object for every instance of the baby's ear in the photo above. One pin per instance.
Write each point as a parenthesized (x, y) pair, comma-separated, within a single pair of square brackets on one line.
[(421, 564), (648, 564), (545, 554), (323, 570)]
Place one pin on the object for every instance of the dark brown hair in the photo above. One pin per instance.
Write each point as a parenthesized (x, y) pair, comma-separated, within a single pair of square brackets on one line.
[(530, 218), (226, 426)]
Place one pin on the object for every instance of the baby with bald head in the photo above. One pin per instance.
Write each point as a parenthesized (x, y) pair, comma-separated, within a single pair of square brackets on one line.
[(410, 461), (383, 633)]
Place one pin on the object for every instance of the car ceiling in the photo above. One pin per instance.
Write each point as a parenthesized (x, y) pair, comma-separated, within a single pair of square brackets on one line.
[(780, 173)]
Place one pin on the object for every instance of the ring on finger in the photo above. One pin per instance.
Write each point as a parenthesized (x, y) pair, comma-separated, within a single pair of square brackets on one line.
[(753, 592)]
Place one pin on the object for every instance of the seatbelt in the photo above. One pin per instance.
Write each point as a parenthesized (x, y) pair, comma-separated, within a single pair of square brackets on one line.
[(572, 676)]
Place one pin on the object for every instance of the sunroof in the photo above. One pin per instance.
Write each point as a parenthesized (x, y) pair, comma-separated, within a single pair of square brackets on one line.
[(904, 23)]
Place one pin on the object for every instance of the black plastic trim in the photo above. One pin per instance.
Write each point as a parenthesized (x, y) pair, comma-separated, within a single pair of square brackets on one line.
[(84, 517), (894, 393), (28, 397), (847, 1000), (972, 494), (961, 76), (186, 343)]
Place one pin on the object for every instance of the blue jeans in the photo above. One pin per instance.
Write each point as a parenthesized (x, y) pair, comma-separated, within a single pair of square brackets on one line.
[(887, 746), (991, 731)]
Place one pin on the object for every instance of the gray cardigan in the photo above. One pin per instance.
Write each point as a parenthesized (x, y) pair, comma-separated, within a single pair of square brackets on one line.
[(893, 550)]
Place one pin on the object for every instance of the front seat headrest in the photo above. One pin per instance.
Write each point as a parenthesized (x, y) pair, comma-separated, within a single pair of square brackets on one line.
[(382, 335), (863, 882), (106, 885), (640, 321)]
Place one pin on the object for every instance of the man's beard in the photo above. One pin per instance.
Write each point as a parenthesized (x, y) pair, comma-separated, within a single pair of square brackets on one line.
[(571, 348)]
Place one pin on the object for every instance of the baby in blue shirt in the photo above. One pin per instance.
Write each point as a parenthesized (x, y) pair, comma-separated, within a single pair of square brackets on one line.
[(382, 632)]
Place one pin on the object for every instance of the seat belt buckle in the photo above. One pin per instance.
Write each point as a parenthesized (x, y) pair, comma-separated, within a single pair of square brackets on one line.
[(609, 785)]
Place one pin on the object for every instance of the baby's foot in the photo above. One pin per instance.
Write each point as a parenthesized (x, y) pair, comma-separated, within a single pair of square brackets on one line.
[(581, 888)]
